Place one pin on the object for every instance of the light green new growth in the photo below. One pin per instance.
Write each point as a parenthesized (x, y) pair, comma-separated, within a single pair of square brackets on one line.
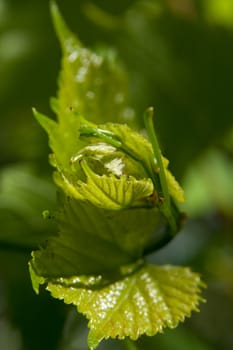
[(152, 298), (116, 195)]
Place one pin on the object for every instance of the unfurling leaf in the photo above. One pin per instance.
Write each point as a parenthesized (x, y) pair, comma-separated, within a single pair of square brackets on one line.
[(112, 193)]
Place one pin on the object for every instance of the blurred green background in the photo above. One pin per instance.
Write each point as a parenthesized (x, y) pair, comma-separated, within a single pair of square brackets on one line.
[(179, 57)]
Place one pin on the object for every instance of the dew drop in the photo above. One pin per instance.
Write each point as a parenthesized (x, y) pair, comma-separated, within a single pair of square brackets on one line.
[(73, 56)]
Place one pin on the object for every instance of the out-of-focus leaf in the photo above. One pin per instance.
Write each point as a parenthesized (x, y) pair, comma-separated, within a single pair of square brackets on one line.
[(23, 197), (10, 338), (219, 265), (91, 84), (208, 184), (219, 12), (180, 338)]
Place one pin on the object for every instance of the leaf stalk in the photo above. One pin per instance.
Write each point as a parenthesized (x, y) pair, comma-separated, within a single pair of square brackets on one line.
[(165, 200)]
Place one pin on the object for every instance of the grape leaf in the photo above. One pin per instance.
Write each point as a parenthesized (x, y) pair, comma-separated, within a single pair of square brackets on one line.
[(152, 298), (140, 149), (84, 78), (174, 188), (72, 105), (105, 189), (64, 140), (93, 241), (134, 143), (114, 193)]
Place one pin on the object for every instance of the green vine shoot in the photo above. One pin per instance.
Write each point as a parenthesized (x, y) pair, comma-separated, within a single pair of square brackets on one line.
[(116, 194)]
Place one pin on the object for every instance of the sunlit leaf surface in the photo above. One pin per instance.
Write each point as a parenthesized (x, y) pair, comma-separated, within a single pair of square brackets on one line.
[(152, 298), (115, 193)]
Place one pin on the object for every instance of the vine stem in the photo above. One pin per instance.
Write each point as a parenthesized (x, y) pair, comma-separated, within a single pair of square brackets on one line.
[(130, 344), (166, 203)]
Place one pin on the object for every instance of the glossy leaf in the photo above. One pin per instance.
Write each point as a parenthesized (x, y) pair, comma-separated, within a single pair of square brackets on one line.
[(152, 298), (114, 193), (135, 144)]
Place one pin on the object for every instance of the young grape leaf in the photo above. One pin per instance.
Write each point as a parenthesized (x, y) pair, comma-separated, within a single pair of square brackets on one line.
[(90, 83), (152, 298), (68, 143), (64, 140), (174, 188), (72, 102), (114, 193), (93, 241), (136, 145)]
